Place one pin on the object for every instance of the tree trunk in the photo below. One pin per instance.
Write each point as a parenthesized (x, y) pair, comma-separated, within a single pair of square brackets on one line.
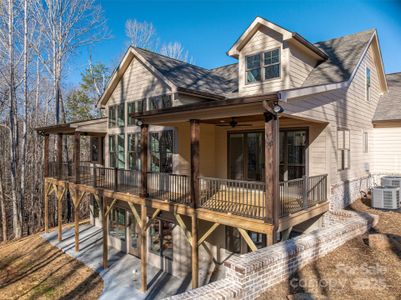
[(3, 210)]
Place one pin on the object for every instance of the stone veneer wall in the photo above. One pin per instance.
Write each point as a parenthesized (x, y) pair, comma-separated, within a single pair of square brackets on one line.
[(251, 274)]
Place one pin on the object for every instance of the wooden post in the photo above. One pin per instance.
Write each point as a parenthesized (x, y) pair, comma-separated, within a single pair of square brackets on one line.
[(76, 156), (59, 155), (47, 207), (76, 220), (195, 251), (144, 160), (195, 137), (99, 150), (144, 247), (59, 214), (272, 169), (46, 157), (105, 235)]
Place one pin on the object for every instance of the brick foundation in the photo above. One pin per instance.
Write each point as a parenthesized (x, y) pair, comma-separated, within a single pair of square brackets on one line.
[(251, 274)]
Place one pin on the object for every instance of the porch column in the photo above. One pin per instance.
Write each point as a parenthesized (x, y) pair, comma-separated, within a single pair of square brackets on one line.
[(144, 160), (76, 156), (144, 248), (103, 211), (46, 174), (99, 150), (272, 171), (59, 154), (46, 157), (195, 137)]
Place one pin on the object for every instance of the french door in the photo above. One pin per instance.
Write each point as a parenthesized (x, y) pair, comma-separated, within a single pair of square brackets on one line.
[(133, 236), (246, 155)]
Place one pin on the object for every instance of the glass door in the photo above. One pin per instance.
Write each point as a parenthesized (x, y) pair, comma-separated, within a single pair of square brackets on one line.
[(293, 144), (246, 156)]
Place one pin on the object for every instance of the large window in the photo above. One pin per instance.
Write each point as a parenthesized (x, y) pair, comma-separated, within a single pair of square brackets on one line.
[(160, 102), (161, 151), (344, 149), (117, 151), (368, 83), (134, 107), (134, 151), (263, 66), (117, 223), (117, 115)]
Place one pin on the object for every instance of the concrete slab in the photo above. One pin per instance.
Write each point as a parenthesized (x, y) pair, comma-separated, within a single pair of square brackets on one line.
[(118, 279)]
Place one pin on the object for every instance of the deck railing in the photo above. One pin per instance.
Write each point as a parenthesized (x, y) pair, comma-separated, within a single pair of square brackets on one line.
[(171, 187), (245, 198)]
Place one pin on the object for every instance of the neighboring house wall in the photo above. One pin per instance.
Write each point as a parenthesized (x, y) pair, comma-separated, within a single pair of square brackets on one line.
[(386, 149), (344, 108)]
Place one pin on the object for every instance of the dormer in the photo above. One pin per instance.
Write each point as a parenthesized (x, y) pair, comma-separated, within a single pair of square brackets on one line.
[(272, 58)]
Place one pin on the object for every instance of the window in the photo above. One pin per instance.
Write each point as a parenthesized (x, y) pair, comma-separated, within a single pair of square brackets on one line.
[(365, 142), (117, 223), (161, 151), (112, 116), (134, 107), (117, 115), (160, 102), (112, 151), (343, 152), (253, 68), (233, 240), (368, 84), (271, 64), (117, 151), (134, 151)]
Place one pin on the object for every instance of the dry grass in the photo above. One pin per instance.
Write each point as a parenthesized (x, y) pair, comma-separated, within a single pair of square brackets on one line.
[(31, 268), (353, 271)]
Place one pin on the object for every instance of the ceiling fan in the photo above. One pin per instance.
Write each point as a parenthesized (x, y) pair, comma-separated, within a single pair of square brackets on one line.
[(233, 123)]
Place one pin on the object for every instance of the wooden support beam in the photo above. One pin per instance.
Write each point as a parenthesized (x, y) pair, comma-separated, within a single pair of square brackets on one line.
[(111, 206), (76, 226), (181, 223), (76, 156), (46, 156), (83, 194), (105, 235), (59, 154), (155, 214), (144, 248), (247, 239), (47, 188), (195, 137), (208, 233), (195, 251), (60, 196), (100, 150), (136, 215), (100, 205), (144, 160), (272, 168)]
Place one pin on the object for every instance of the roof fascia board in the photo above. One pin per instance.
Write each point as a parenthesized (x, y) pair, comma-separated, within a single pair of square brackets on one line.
[(120, 71)]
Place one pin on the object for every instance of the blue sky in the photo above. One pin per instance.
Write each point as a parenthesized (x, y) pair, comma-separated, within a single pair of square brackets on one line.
[(207, 29)]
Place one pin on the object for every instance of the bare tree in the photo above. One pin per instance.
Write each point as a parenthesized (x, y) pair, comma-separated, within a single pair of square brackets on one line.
[(141, 34), (175, 50)]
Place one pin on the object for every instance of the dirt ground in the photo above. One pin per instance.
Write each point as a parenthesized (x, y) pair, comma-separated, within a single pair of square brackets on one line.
[(31, 268), (353, 271)]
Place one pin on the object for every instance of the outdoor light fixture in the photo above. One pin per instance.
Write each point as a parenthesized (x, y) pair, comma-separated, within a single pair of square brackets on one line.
[(138, 123), (277, 108)]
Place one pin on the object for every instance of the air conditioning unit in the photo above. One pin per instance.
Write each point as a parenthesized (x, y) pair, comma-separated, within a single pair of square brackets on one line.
[(391, 181), (385, 197)]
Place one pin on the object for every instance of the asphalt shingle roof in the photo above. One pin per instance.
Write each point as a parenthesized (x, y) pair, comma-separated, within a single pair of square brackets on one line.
[(343, 56), (389, 107)]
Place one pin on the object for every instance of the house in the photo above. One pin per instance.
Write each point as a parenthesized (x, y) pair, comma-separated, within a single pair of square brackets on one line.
[(191, 165)]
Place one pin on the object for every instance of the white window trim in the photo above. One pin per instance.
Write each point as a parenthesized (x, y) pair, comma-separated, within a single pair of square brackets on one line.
[(262, 66)]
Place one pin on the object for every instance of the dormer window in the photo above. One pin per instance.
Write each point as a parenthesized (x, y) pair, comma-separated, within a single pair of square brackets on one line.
[(272, 64), (253, 68), (263, 66)]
